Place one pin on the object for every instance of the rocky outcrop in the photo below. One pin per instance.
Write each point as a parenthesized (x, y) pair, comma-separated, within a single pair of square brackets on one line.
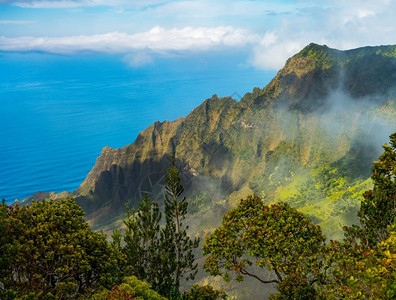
[(317, 111)]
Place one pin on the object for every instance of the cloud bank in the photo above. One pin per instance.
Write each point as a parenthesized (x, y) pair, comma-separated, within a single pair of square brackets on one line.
[(339, 24), (157, 39), (271, 31)]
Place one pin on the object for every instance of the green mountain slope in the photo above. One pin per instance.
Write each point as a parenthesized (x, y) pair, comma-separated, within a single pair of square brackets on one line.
[(308, 138)]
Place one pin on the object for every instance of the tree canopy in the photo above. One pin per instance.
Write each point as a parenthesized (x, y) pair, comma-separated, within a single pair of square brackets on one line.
[(48, 250), (179, 260), (285, 242), (130, 288), (275, 237), (378, 209), (160, 255), (142, 244), (364, 264)]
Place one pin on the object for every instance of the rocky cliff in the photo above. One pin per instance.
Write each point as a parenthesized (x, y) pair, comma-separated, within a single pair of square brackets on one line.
[(308, 138)]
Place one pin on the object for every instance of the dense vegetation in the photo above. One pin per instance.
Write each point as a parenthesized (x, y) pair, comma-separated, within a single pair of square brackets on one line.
[(160, 256), (308, 138), (305, 141), (48, 251), (276, 237), (282, 240)]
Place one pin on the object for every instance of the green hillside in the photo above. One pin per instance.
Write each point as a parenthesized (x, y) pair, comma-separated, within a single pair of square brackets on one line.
[(307, 138)]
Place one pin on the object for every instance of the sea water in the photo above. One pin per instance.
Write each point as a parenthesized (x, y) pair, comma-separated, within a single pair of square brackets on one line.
[(58, 112)]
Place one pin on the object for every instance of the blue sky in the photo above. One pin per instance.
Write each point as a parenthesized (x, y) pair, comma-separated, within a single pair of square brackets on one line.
[(268, 32), (77, 75)]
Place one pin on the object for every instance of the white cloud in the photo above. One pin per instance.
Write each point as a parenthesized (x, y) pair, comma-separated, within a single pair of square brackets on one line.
[(340, 24), (273, 56), (276, 29), (157, 39)]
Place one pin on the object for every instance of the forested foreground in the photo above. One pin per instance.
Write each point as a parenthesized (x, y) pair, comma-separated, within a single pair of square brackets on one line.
[(48, 251)]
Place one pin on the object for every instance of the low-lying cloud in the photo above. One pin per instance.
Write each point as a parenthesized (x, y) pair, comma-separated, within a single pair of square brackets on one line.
[(272, 30), (157, 39), (338, 24)]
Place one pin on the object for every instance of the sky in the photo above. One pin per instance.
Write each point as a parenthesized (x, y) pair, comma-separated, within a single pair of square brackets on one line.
[(141, 31), (78, 75)]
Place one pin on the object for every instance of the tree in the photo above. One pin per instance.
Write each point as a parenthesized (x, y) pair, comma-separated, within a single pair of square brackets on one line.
[(131, 288), (5, 251), (178, 258), (364, 264), (206, 292), (160, 256), (378, 209), (121, 267), (277, 238), (49, 251), (142, 241), (360, 272)]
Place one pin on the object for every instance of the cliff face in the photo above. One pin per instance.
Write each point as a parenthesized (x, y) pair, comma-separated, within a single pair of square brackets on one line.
[(308, 138)]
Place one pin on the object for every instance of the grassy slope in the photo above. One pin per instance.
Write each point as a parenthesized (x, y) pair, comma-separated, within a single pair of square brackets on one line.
[(295, 140), (299, 154)]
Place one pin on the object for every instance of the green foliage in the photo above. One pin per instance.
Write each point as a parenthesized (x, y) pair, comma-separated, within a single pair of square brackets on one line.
[(325, 57), (142, 241), (327, 182), (159, 256), (364, 265), (178, 259), (388, 51), (284, 241), (275, 237), (131, 288), (48, 251), (121, 266), (205, 292), (200, 202), (360, 272), (378, 209), (328, 195)]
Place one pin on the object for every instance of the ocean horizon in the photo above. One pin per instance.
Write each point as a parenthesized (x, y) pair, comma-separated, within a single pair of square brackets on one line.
[(58, 112)]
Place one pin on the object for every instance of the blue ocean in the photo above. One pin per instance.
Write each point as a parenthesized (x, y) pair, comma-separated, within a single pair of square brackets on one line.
[(58, 112)]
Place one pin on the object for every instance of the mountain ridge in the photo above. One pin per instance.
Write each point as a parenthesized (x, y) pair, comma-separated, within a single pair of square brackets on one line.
[(314, 114)]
